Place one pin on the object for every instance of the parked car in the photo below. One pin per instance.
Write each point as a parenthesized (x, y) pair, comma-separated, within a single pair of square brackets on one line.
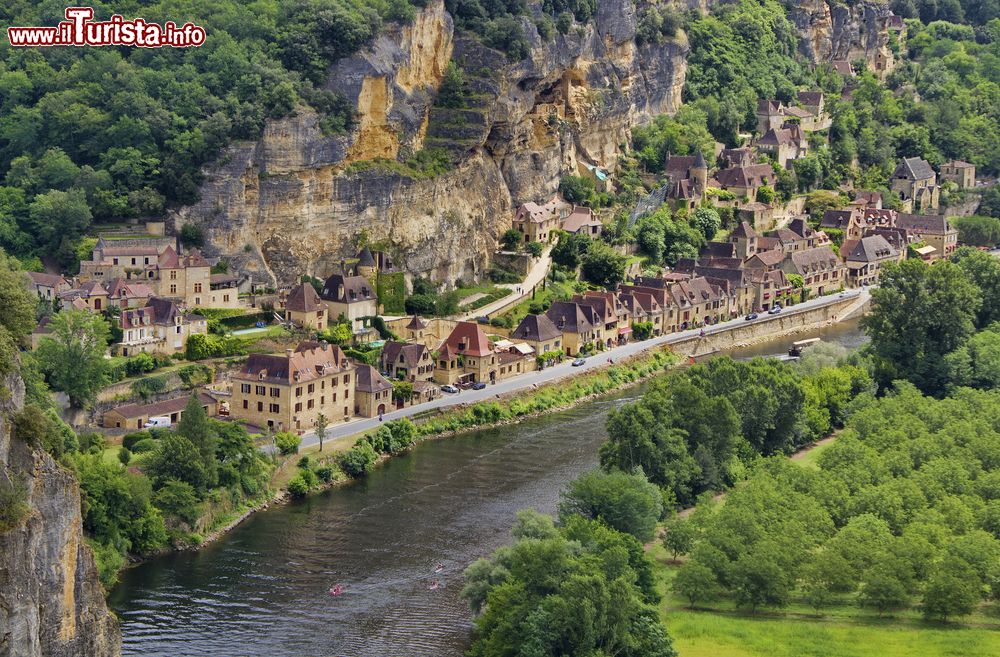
[(751, 317), (449, 388), (478, 385), (578, 362), (774, 311)]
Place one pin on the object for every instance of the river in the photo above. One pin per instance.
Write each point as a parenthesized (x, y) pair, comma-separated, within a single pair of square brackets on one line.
[(262, 589)]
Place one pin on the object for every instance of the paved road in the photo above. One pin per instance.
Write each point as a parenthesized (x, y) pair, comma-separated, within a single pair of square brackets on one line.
[(535, 276), (565, 368)]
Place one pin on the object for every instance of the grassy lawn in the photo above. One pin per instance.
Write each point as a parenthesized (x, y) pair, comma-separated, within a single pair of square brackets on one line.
[(552, 291), (843, 631)]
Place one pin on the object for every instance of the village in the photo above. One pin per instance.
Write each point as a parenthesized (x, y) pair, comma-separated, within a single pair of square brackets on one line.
[(329, 351)]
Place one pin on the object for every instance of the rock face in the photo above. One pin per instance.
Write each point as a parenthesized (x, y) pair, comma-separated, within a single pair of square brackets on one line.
[(291, 203), (831, 31), (51, 602)]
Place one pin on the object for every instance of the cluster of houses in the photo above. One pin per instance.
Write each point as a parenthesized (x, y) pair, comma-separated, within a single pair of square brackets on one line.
[(542, 222)]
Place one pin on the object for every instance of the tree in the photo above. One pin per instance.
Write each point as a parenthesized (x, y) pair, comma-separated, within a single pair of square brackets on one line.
[(977, 363), (577, 189), (511, 239), (73, 357), (402, 390), (452, 92), (882, 590), (321, 423), (56, 215), (535, 249), (18, 317), (707, 220), (287, 442), (570, 248), (177, 458), (178, 499), (195, 426), (984, 270), (678, 536), (918, 314), (765, 195), (952, 591), (626, 502), (759, 580), (696, 582), (977, 230), (604, 266)]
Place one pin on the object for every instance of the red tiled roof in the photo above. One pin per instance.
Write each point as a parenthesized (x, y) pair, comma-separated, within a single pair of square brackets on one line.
[(468, 338)]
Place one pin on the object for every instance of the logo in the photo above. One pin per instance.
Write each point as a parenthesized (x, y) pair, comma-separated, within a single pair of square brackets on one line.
[(79, 29)]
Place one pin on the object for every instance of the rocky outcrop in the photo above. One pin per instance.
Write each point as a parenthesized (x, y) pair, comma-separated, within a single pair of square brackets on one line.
[(831, 30), (296, 200), (51, 602)]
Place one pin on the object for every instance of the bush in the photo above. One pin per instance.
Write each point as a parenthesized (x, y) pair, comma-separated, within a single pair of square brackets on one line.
[(357, 461), (143, 446), (124, 455), (325, 473), (14, 505), (304, 462), (130, 439), (287, 442), (535, 249), (298, 486)]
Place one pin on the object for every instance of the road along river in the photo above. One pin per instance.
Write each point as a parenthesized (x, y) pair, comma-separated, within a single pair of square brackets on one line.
[(262, 589)]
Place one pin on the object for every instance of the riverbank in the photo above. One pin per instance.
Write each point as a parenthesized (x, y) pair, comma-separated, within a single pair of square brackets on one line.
[(572, 388)]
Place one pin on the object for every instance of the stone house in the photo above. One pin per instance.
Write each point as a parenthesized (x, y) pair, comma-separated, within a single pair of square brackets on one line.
[(91, 295), (582, 220), (372, 392), (688, 176), (539, 222), (406, 361), (577, 323), (47, 286), (350, 297), (700, 302), (959, 172), (466, 356), (916, 183), (123, 294), (743, 182), (161, 326), (745, 239), (612, 314), (933, 230), (286, 392), (865, 258), (784, 144), (540, 333), (304, 308), (821, 270), (134, 417)]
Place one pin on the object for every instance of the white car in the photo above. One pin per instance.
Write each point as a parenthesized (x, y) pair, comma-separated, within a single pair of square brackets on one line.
[(449, 388)]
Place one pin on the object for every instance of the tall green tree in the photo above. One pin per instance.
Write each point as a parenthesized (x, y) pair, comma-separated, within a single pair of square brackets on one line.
[(73, 356), (626, 502), (195, 426), (919, 314)]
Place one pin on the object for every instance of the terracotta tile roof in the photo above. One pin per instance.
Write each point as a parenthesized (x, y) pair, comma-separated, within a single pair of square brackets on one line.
[(751, 176), (570, 317), (416, 323), (871, 249), (770, 258), (303, 299), (933, 224), (168, 259), (836, 219), (820, 258), (810, 98), (579, 218), (744, 230), (468, 338)]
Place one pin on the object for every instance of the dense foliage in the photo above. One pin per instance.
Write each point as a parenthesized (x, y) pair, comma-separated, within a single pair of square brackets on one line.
[(903, 508), (578, 589), (695, 430), (98, 134)]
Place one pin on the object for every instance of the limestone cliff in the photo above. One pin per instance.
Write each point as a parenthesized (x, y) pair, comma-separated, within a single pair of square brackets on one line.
[(830, 30), (292, 203), (51, 603)]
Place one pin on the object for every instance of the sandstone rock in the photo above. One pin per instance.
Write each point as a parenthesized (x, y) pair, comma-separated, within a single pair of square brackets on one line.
[(51, 602)]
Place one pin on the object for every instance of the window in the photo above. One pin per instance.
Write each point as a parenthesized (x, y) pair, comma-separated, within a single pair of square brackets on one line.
[(173, 289), (345, 411), (261, 390), (246, 404), (310, 403), (275, 392), (197, 288), (260, 407), (347, 379), (225, 298), (312, 388), (298, 391), (173, 274), (322, 400), (298, 407), (274, 408), (334, 398), (115, 261), (133, 261)]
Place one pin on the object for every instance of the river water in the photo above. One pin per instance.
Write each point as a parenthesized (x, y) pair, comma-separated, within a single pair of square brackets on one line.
[(262, 589)]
